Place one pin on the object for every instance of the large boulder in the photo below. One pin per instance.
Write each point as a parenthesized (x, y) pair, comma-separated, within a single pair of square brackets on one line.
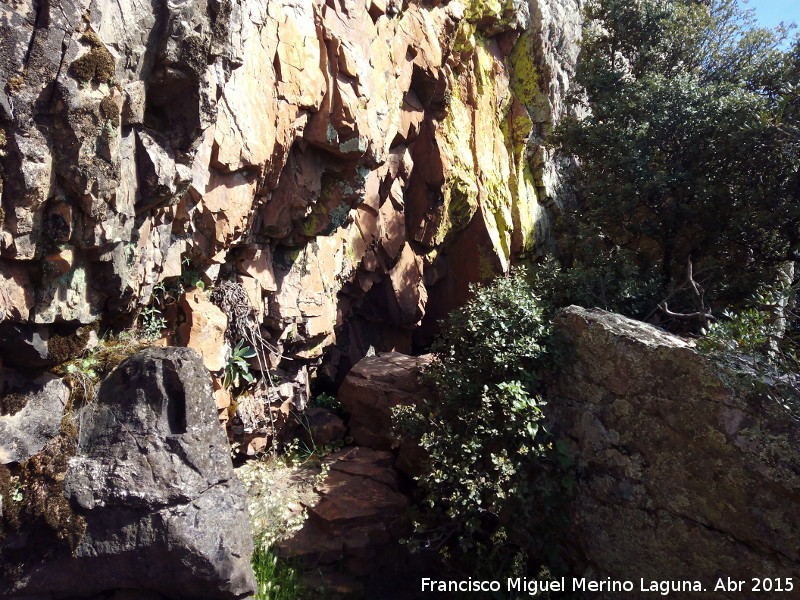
[(369, 392), (152, 479), (686, 470)]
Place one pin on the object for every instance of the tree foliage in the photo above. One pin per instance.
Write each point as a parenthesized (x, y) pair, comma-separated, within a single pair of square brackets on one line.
[(688, 151)]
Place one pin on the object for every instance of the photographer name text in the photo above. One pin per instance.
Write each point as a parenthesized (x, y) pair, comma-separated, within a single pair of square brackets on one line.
[(663, 588)]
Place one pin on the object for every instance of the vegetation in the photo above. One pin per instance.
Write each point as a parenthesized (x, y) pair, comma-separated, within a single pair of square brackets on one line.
[(86, 368), (237, 371), (276, 580), (483, 430), (277, 488), (688, 183), (685, 137), (153, 322)]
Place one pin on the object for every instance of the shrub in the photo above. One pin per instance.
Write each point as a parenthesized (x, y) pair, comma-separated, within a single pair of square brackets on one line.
[(764, 330), (483, 429)]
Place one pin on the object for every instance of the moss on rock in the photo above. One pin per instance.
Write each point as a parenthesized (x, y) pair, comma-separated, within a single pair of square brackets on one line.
[(96, 65), (34, 502), (110, 110)]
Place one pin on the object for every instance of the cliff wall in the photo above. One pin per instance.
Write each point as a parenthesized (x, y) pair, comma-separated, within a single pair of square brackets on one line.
[(354, 164)]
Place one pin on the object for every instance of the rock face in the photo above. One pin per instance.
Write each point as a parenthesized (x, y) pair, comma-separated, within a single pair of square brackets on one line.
[(685, 470), (371, 389), (322, 427), (354, 526), (153, 480), (354, 165), (30, 416)]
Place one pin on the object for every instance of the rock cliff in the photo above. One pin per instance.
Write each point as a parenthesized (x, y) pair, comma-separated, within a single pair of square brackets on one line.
[(353, 164)]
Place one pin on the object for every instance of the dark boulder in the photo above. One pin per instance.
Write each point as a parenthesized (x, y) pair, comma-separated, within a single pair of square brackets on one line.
[(153, 480), (30, 416)]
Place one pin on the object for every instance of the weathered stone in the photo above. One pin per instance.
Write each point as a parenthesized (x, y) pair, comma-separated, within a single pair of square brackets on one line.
[(375, 385), (16, 293), (257, 263), (222, 396), (59, 263), (204, 329), (331, 152), (359, 516), (685, 471), (30, 416), (154, 482), (321, 427)]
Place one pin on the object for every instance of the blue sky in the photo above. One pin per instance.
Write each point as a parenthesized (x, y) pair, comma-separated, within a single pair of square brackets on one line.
[(771, 12)]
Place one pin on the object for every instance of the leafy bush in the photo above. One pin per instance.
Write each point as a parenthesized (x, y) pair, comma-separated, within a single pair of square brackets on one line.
[(483, 429), (763, 330), (152, 322), (328, 402)]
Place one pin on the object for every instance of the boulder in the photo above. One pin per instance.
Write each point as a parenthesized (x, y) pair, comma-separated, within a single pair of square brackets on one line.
[(153, 481), (30, 416), (358, 518), (686, 469), (322, 427), (368, 393)]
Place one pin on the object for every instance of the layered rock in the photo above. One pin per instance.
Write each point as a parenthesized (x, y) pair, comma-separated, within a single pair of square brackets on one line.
[(370, 391), (686, 469), (352, 164), (152, 485), (354, 523)]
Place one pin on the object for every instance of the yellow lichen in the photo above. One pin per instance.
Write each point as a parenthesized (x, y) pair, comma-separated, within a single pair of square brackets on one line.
[(15, 83)]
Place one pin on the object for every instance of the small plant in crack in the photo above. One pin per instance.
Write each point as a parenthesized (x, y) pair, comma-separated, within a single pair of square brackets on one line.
[(237, 371)]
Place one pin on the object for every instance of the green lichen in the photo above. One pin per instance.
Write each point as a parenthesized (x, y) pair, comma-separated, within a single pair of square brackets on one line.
[(481, 10), (311, 225), (462, 202), (355, 144), (524, 72), (338, 215)]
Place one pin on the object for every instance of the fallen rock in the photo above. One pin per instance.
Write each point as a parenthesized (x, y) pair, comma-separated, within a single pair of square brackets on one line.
[(359, 517), (30, 416), (686, 470), (153, 480), (24, 346), (204, 329), (375, 385), (322, 427)]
